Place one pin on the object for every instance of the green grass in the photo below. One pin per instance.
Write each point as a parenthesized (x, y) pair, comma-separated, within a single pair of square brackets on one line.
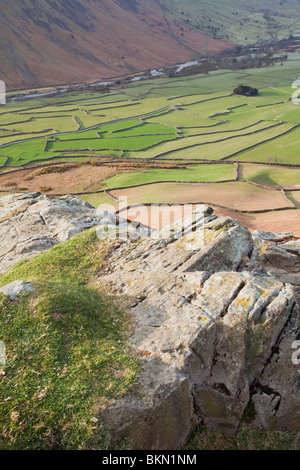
[(92, 134), (284, 177), (198, 173), (182, 119), (230, 147), (143, 129), (40, 127), (126, 143), (226, 130), (26, 152), (294, 197), (201, 107), (10, 119), (190, 99), (104, 106), (55, 124), (67, 351), (282, 149), (97, 199), (247, 438), (121, 125), (22, 137), (88, 120), (127, 128)]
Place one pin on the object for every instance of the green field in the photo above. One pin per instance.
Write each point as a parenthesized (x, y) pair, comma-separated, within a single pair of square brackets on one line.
[(274, 176), (198, 173), (185, 119)]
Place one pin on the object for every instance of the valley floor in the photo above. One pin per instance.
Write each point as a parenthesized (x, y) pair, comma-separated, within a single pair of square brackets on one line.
[(181, 140)]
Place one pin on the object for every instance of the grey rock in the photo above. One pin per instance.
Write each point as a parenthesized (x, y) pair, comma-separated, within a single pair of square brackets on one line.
[(16, 288), (197, 315), (292, 278), (32, 223), (197, 278), (271, 236), (280, 258), (293, 245), (159, 412), (276, 396)]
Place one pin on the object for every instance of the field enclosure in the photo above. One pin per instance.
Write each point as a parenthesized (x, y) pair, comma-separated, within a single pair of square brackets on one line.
[(173, 140)]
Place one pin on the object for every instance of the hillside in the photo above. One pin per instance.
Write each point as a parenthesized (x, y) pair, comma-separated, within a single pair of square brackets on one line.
[(238, 21), (50, 42)]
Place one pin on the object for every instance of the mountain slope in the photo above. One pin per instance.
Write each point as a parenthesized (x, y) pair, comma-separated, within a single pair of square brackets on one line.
[(48, 42), (238, 21)]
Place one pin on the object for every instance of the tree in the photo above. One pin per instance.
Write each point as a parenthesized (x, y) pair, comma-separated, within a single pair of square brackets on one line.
[(245, 90)]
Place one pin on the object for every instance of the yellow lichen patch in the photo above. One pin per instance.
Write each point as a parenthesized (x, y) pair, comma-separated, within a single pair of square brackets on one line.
[(243, 301), (14, 213)]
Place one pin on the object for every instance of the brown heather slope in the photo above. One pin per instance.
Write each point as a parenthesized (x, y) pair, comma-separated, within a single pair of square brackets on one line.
[(51, 42)]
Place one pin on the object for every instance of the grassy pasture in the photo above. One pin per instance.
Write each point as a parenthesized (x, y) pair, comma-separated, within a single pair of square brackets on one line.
[(271, 176), (184, 119), (187, 100), (294, 196), (241, 22), (55, 124), (142, 120), (125, 143), (197, 173), (231, 146), (106, 128), (234, 195), (9, 119), (226, 130), (18, 137), (283, 149), (26, 152), (142, 130)]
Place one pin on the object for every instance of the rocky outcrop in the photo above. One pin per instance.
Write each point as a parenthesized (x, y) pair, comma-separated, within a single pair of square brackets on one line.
[(213, 330), (278, 255), (32, 223), (215, 315)]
